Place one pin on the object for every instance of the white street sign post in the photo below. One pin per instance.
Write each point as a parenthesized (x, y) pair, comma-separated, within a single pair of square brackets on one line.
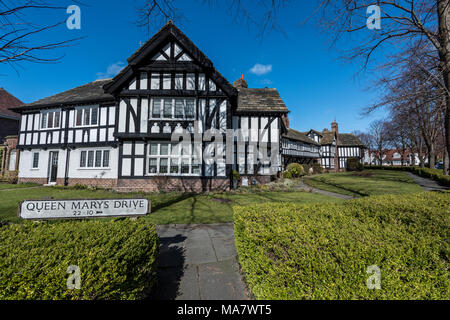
[(81, 209)]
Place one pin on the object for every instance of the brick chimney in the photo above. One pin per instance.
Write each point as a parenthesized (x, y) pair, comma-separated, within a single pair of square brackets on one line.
[(334, 126), (240, 83), (285, 120)]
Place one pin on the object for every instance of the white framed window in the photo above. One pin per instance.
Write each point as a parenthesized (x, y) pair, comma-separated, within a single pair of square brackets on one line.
[(35, 160), (173, 108), (86, 116), (155, 81), (50, 119), (165, 158), (94, 159)]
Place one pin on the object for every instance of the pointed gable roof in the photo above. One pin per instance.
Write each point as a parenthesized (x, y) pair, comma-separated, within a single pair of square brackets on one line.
[(167, 33), (8, 101)]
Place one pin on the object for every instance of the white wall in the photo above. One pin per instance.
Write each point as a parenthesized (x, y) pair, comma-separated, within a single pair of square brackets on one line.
[(107, 173), (26, 169)]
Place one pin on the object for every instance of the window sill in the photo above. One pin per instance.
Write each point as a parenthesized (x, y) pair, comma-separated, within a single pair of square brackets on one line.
[(98, 168), (84, 127)]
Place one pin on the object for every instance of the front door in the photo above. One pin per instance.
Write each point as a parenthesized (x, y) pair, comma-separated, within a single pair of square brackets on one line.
[(53, 171)]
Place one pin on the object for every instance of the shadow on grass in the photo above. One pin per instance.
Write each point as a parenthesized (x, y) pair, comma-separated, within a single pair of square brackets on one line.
[(337, 186), (175, 200)]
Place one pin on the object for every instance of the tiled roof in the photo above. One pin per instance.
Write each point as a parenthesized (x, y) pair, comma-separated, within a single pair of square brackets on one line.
[(348, 139), (327, 137), (90, 92), (344, 139), (299, 136), (266, 100), (7, 101)]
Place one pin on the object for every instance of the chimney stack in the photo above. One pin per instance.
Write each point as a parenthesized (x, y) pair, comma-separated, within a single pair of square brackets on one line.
[(285, 120), (240, 83), (334, 127)]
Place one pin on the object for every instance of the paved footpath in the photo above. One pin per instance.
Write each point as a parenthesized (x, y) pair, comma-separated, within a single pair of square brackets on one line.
[(198, 262), (427, 184)]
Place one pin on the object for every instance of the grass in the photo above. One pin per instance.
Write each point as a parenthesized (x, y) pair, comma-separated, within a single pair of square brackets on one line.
[(324, 251), (172, 207), (365, 183), (4, 186)]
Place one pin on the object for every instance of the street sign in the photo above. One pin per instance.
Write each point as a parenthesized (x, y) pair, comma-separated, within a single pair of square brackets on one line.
[(80, 209)]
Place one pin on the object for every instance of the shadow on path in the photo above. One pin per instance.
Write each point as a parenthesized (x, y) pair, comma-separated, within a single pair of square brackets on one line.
[(170, 267)]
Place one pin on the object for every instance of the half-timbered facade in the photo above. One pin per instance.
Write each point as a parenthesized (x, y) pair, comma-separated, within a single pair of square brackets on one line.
[(119, 132), (297, 147), (337, 148)]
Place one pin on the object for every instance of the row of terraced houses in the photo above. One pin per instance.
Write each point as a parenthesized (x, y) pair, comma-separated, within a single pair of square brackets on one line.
[(118, 133)]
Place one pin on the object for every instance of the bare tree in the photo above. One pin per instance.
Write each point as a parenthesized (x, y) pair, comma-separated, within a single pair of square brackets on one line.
[(367, 140), (20, 37), (378, 132), (423, 23)]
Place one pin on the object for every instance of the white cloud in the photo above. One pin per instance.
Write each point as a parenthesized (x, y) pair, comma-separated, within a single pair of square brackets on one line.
[(111, 71), (260, 69)]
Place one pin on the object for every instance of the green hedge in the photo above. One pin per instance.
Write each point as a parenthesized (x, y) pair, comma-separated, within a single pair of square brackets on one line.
[(116, 259), (322, 251), (435, 174)]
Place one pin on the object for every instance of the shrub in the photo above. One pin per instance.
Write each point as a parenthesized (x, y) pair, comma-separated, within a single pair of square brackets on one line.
[(116, 259), (287, 175), (306, 168), (236, 175), (322, 251), (317, 168), (354, 164), (295, 169)]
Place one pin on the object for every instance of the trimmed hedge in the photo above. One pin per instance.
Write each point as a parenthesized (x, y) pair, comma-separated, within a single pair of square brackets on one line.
[(435, 174), (322, 251), (117, 259)]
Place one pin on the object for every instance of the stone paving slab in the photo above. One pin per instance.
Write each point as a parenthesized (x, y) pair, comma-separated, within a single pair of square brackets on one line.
[(427, 184), (198, 262)]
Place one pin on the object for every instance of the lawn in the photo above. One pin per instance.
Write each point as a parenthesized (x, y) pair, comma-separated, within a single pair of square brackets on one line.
[(4, 186), (365, 183), (171, 207)]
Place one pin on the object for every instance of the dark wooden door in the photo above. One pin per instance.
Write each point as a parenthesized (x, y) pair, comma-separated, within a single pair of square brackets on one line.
[(53, 166)]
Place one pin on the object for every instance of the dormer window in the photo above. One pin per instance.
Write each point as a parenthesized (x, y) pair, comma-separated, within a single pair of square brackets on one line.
[(50, 119), (86, 116)]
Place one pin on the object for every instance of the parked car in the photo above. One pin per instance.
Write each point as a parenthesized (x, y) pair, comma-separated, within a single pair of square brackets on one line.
[(439, 165)]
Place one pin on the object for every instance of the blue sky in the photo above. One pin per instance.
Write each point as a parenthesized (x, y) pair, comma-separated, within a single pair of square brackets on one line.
[(314, 83)]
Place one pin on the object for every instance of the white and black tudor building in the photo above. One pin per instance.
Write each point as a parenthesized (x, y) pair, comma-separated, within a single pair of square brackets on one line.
[(117, 133)]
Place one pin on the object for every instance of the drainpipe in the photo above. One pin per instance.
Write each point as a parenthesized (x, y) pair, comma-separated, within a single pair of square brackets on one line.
[(66, 139)]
